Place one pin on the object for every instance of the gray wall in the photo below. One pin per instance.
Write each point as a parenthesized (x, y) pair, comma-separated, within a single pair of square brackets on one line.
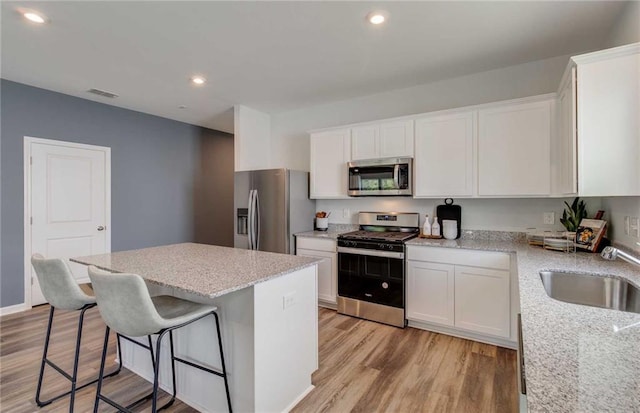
[(153, 162), (213, 195)]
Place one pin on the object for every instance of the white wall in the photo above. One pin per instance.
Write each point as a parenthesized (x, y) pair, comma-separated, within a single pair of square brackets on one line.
[(616, 208), (252, 139), (290, 141), (479, 214), (626, 28)]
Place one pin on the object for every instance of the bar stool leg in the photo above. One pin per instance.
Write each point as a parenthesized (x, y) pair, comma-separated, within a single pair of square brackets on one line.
[(102, 363), (173, 364), (156, 377), (224, 368), (44, 358), (74, 376)]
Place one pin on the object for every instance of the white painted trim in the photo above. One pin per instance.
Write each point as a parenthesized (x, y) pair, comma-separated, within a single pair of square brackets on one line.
[(12, 309), (28, 140), (633, 48), (299, 399), (451, 111), (456, 332)]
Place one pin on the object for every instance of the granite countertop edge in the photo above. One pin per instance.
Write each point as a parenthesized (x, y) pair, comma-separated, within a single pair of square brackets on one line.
[(193, 286)]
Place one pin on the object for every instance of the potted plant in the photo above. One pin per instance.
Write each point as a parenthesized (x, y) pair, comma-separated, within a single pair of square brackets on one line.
[(573, 214)]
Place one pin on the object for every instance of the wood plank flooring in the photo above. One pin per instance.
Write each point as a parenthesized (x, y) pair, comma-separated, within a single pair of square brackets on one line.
[(364, 367)]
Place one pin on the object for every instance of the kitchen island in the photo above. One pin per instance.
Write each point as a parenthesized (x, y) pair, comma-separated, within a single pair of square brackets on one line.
[(268, 309)]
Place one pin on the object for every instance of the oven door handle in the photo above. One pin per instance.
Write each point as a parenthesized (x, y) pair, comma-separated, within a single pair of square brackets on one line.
[(372, 253)]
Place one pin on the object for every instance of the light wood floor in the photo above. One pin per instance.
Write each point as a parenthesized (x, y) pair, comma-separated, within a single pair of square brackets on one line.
[(364, 367)]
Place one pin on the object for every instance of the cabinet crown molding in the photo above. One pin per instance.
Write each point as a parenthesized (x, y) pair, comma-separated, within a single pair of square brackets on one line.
[(629, 49)]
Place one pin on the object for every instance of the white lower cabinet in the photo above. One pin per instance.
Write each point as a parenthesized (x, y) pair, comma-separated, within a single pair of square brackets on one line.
[(482, 300), (430, 290), (461, 292), (325, 250)]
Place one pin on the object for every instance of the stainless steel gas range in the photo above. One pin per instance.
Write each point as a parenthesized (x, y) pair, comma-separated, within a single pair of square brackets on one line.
[(371, 266)]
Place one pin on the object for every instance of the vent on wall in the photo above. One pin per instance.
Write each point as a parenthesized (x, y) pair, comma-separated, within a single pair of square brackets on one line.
[(103, 93)]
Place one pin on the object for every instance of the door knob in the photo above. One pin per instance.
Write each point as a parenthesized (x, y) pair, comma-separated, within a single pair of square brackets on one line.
[(100, 228)]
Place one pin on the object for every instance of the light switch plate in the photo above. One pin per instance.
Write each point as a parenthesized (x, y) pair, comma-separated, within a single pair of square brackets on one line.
[(627, 229), (634, 227), (549, 218)]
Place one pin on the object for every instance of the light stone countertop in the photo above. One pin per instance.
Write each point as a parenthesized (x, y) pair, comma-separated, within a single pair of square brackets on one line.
[(204, 270), (574, 360), (332, 233)]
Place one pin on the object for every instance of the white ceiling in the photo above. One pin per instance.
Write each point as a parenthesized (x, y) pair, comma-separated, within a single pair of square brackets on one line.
[(279, 56)]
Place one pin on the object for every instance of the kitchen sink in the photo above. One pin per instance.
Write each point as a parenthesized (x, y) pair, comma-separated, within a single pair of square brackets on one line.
[(592, 290)]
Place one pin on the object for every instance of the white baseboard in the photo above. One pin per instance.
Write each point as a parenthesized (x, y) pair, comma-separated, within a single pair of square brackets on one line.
[(496, 341), (11, 309), (299, 399), (327, 304)]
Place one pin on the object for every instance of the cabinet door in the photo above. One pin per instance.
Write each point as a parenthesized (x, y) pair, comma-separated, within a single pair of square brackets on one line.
[(364, 142), (327, 273), (565, 148), (514, 149), (609, 125), (430, 292), (330, 152), (482, 300), (444, 155), (396, 139)]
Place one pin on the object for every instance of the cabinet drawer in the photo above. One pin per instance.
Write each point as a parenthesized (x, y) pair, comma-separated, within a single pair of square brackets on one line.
[(485, 259), (316, 244)]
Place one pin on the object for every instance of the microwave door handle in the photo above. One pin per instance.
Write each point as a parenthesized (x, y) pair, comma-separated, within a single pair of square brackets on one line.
[(396, 175)]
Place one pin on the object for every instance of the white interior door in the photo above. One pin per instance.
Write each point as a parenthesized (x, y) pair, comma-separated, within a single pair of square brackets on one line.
[(70, 204)]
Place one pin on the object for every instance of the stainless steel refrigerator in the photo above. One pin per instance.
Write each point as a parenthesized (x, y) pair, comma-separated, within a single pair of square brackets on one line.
[(270, 206)]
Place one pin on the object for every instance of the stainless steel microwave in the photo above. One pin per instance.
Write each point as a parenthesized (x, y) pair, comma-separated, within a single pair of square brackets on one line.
[(381, 177)]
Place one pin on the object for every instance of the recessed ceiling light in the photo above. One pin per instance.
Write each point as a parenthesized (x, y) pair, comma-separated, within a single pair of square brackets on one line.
[(198, 80), (376, 17), (33, 16)]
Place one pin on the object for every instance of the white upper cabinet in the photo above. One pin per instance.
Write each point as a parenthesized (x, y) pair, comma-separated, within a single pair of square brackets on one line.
[(514, 149), (365, 142), (330, 152), (382, 140), (444, 155), (608, 122), (564, 147)]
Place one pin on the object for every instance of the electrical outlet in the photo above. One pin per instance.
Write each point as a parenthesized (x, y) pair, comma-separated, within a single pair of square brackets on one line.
[(549, 218), (627, 228), (288, 300), (346, 213), (634, 227)]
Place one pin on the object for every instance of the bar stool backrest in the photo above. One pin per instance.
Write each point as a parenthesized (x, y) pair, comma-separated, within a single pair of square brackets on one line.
[(125, 304), (58, 284)]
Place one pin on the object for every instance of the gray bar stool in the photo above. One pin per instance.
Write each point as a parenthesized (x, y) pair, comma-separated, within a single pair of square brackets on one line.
[(62, 292), (126, 306)]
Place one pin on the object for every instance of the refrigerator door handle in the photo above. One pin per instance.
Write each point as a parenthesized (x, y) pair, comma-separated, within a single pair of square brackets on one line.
[(250, 216), (257, 219)]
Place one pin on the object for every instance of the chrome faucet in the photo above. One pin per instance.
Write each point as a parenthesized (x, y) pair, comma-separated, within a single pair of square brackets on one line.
[(611, 253)]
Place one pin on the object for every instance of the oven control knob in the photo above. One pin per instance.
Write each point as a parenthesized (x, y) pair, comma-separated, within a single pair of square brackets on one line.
[(385, 285), (353, 243), (381, 246), (390, 246)]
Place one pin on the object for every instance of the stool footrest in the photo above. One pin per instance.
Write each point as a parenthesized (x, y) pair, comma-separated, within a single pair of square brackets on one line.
[(198, 366)]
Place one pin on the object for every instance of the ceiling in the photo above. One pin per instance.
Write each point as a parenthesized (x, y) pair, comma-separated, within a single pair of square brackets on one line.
[(279, 56)]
